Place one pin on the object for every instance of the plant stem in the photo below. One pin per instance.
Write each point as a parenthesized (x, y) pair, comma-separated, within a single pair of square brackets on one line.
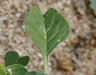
[(45, 64)]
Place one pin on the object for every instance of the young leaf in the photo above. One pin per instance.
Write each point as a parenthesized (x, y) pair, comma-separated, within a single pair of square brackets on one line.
[(48, 31), (34, 73), (1, 65), (16, 69), (2, 72), (13, 58), (23, 60)]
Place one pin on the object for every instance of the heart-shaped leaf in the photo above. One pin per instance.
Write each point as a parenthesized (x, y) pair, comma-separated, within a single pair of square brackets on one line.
[(1, 65), (34, 73), (2, 72), (13, 58), (46, 31), (16, 69)]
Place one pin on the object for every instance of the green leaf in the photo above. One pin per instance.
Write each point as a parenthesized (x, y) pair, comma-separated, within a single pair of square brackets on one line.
[(23, 60), (8, 73), (1, 65), (2, 72), (57, 29), (34, 73), (34, 26), (93, 5), (13, 58), (16, 69), (48, 33)]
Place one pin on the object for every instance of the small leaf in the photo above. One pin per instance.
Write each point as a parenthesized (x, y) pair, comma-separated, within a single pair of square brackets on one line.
[(48, 31), (11, 58), (34, 73), (1, 65), (16, 69), (23, 60), (2, 72)]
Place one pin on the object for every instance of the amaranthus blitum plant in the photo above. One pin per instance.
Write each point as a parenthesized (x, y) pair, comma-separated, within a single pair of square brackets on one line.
[(46, 31)]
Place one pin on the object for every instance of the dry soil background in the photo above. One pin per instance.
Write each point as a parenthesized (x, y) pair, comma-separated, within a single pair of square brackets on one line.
[(75, 56)]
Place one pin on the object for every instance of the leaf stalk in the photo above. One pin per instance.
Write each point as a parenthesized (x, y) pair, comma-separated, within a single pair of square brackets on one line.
[(45, 64)]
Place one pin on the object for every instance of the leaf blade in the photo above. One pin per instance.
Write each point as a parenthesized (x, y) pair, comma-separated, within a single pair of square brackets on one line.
[(57, 31), (16, 69), (23, 60), (11, 58), (2, 72), (35, 28), (1, 65), (93, 5)]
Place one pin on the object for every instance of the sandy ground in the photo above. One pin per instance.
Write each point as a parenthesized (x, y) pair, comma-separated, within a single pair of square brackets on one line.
[(75, 56)]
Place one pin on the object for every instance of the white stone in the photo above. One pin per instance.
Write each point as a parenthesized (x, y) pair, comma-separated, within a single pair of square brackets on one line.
[(80, 74), (58, 40), (9, 70), (39, 54), (18, 14), (63, 43), (42, 62)]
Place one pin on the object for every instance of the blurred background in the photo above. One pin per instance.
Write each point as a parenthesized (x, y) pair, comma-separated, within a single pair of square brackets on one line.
[(75, 56)]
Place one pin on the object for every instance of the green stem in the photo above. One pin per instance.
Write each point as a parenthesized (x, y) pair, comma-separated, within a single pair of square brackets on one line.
[(45, 64)]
